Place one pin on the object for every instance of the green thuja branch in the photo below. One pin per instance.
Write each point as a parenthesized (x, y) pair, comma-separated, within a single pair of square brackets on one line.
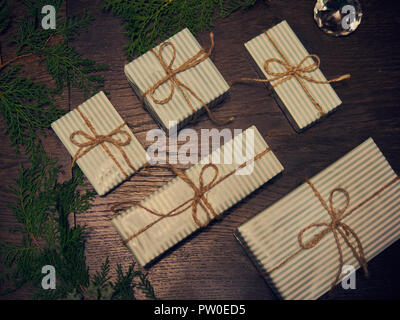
[(145, 286), (26, 107), (42, 208), (146, 22), (123, 288), (25, 104), (62, 61), (126, 283), (4, 16), (66, 65), (42, 205), (228, 7)]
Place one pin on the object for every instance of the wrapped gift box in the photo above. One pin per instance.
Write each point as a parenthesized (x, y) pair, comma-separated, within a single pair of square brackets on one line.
[(147, 244), (290, 95), (204, 79), (373, 213), (100, 168)]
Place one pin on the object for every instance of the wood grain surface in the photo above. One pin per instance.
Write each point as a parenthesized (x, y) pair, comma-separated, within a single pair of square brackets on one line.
[(211, 264)]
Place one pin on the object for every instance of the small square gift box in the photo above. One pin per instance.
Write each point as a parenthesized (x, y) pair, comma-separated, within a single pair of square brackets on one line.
[(101, 143), (177, 80), (301, 90), (196, 196), (335, 222)]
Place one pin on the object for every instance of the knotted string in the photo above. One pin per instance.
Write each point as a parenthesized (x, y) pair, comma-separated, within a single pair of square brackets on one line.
[(199, 197), (96, 139), (337, 227), (298, 71), (171, 78)]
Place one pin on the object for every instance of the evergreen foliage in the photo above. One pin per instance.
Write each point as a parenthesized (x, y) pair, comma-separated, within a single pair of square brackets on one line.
[(42, 205), (147, 22)]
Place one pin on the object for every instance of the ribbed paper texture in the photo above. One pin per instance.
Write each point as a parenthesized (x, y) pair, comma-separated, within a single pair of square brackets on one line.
[(169, 231), (271, 236), (204, 79), (98, 167), (302, 112)]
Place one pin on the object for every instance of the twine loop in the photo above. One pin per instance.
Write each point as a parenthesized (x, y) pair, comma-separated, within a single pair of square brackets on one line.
[(299, 72), (199, 197), (292, 71), (338, 228), (171, 77), (95, 139)]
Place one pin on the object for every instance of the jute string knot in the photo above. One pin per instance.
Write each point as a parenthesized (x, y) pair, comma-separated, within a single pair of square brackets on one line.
[(299, 71), (95, 139), (171, 77), (338, 228), (199, 198), (293, 70)]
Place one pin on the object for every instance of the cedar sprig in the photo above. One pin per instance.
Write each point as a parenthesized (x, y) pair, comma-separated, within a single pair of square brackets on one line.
[(27, 108), (123, 288), (147, 22), (42, 209), (43, 206), (62, 61), (26, 104), (145, 286), (67, 66), (4, 15), (231, 6)]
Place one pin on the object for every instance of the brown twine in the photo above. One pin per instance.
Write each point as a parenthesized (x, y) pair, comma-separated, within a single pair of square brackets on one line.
[(36, 242), (199, 197), (175, 82), (293, 71), (337, 227), (98, 139)]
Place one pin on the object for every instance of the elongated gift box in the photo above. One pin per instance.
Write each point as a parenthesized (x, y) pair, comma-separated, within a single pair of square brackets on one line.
[(101, 143), (196, 196), (302, 100), (201, 83), (356, 200)]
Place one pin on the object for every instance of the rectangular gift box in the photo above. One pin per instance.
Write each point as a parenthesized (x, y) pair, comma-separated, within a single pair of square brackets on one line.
[(204, 79), (290, 96), (373, 214), (164, 234), (100, 169)]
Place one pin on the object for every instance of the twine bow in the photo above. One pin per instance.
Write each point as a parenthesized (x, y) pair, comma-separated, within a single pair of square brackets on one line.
[(299, 71), (96, 139), (337, 227), (171, 77), (199, 196)]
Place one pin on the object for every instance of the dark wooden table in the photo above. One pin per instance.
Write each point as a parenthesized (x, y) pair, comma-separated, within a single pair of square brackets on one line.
[(211, 264)]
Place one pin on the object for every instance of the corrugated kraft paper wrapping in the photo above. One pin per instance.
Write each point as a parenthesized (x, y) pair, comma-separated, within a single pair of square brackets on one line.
[(204, 79), (271, 236), (166, 233), (99, 168), (291, 97)]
